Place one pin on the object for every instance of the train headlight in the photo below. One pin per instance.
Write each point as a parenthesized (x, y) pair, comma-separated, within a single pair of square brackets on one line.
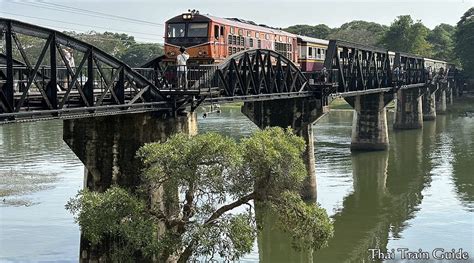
[(172, 53), (187, 16), (200, 53)]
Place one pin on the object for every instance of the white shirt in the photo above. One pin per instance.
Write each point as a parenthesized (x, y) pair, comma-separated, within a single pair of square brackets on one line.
[(69, 58), (181, 60)]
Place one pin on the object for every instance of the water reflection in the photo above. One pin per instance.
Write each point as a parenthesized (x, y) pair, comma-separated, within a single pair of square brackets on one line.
[(463, 159), (419, 194), (391, 202)]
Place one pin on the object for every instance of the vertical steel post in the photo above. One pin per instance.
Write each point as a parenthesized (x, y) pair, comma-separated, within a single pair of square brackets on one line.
[(8, 88), (89, 87), (51, 88), (120, 86)]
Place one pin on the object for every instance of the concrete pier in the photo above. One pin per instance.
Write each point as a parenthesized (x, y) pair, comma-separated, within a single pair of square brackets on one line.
[(107, 147), (441, 101), (299, 114), (369, 126), (408, 114), (429, 105)]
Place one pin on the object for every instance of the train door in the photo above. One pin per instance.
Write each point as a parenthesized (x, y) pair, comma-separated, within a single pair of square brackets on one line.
[(218, 41)]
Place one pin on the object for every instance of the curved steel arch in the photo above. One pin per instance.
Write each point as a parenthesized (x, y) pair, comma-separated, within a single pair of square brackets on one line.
[(259, 71), (122, 85)]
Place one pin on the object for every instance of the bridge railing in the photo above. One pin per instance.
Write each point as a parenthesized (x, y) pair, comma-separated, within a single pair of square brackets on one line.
[(193, 77), (322, 77)]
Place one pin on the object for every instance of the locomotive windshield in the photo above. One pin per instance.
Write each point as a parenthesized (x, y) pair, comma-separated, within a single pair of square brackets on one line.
[(197, 30), (176, 30)]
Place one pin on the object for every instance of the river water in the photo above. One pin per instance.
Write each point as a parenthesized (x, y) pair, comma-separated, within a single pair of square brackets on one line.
[(417, 195)]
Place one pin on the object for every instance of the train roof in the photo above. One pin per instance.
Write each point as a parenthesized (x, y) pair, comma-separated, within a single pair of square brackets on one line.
[(237, 22), (313, 40)]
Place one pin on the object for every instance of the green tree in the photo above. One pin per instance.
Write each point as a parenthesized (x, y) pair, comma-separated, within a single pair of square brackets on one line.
[(210, 185), (407, 36), (318, 31), (464, 42), (441, 39), (368, 33), (138, 54)]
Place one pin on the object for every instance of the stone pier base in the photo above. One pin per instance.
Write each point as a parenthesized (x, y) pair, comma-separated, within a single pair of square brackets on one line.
[(429, 105), (107, 147), (408, 114), (298, 114), (441, 101), (369, 126), (450, 94)]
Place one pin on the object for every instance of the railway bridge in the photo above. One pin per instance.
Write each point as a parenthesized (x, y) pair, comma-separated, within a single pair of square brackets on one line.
[(110, 109)]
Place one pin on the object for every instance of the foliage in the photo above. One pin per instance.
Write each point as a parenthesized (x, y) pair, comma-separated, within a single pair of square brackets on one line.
[(207, 186), (407, 36), (121, 46), (464, 45), (441, 39), (318, 31), (367, 33), (138, 54), (118, 214)]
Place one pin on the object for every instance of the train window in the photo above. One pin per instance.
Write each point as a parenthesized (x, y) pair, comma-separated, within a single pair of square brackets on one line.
[(176, 30), (251, 42), (267, 36), (234, 40), (257, 35), (259, 43), (241, 32), (216, 31), (234, 50), (310, 52), (242, 41), (319, 53), (232, 30), (230, 51), (280, 38), (249, 33), (222, 30), (289, 40), (229, 41), (197, 30)]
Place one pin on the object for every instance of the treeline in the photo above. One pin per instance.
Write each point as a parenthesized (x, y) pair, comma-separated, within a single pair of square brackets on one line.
[(445, 42), (403, 34), (122, 46)]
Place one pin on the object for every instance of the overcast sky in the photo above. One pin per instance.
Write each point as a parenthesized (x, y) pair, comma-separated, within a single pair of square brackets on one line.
[(277, 13)]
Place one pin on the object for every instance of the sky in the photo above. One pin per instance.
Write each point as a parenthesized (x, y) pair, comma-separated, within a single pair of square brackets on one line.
[(151, 14)]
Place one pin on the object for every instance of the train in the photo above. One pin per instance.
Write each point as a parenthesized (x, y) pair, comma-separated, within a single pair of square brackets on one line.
[(209, 40)]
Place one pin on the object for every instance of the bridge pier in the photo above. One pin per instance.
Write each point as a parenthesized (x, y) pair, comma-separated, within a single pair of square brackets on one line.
[(441, 100), (429, 105), (299, 114), (107, 147), (449, 94), (369, 125), (408, 114)]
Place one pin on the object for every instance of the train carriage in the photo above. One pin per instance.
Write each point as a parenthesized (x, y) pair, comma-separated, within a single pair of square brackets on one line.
[(209, 39), (312, 53)]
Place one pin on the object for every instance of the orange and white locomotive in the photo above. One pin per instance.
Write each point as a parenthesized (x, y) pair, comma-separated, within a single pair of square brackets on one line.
[(210, 39)]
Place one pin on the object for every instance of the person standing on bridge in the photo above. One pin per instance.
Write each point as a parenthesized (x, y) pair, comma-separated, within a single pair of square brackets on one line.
[(182, 69)]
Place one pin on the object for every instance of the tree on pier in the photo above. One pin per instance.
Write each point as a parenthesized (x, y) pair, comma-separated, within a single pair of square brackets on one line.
[(199, 196)]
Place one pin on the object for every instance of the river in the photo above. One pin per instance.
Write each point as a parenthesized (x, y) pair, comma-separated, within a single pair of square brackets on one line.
[(417, 195)]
